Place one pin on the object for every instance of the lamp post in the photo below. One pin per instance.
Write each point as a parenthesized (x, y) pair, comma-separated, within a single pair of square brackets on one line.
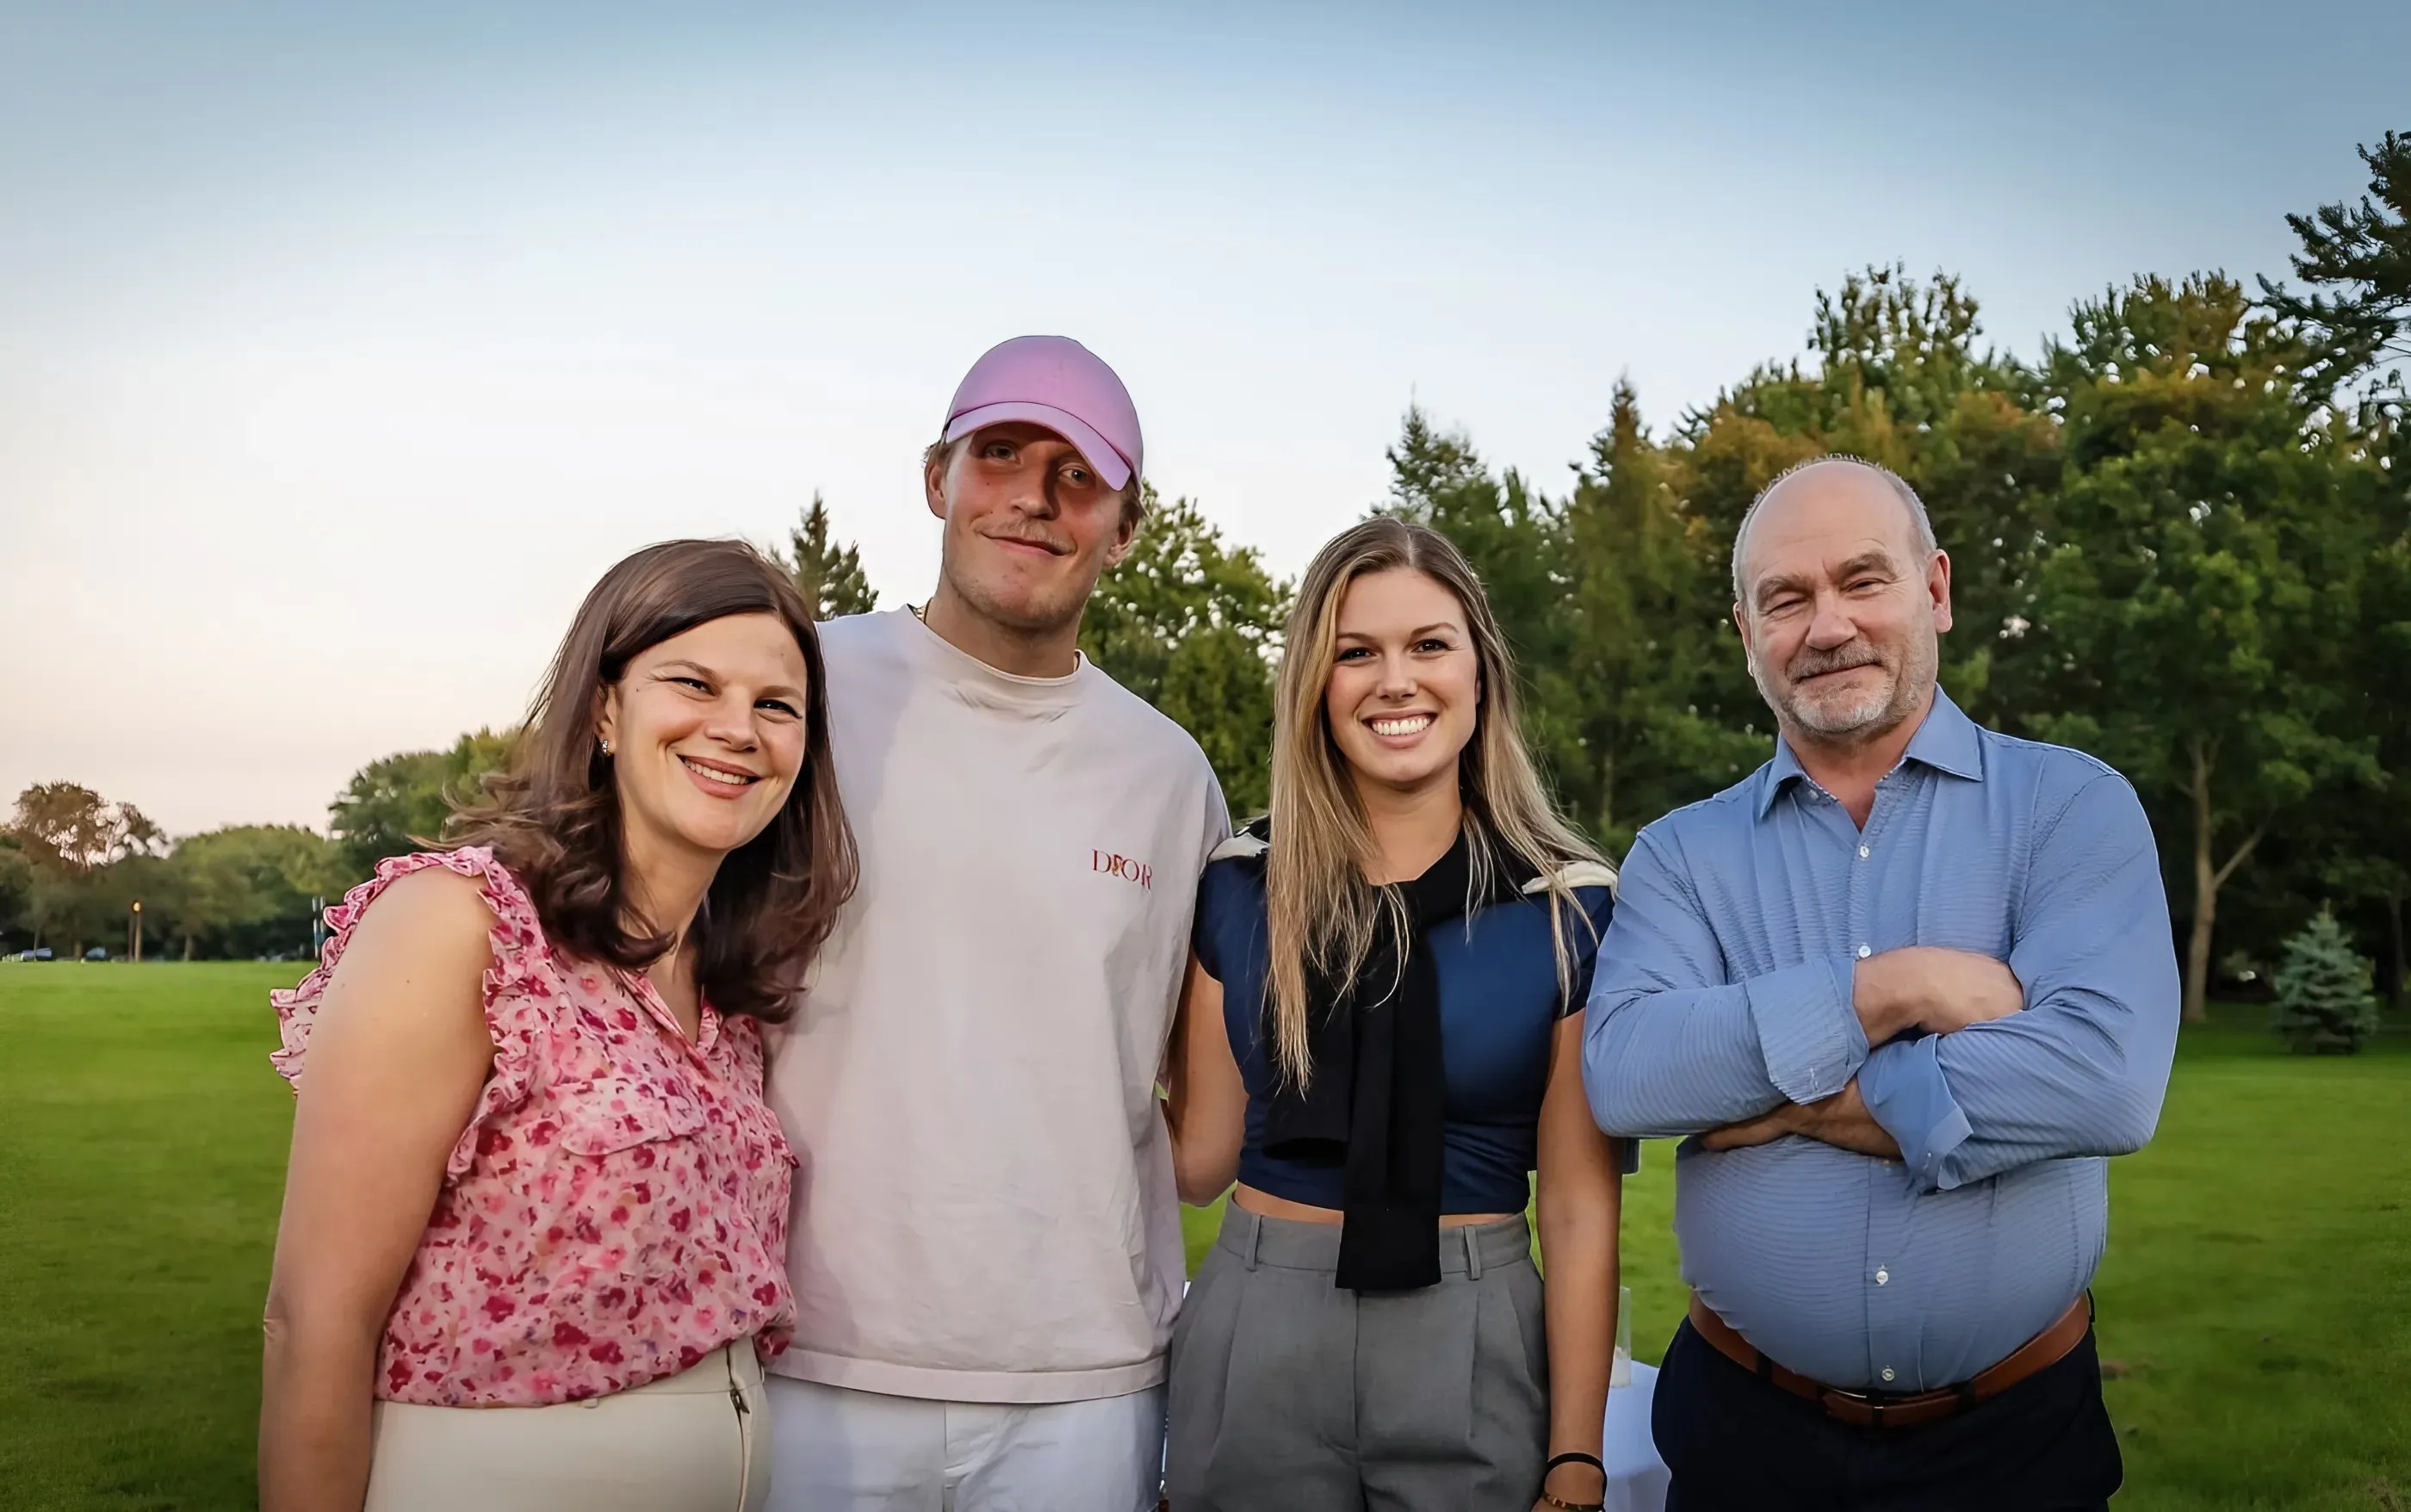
[(133, 934)]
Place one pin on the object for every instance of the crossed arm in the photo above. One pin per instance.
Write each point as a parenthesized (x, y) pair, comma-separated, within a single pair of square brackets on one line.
[(1961, 1066)]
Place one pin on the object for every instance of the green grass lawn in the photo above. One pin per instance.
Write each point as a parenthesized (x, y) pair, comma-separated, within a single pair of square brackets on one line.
[(2258, 1295)]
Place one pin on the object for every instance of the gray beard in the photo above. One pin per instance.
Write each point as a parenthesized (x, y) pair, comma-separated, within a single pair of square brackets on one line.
[(1907, 691), (1848, 720)]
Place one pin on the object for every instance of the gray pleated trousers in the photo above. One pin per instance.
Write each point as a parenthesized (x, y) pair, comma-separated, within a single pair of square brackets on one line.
[(1290, 1395)]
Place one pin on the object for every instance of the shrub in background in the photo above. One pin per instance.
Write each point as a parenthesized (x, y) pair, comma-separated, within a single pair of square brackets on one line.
[(2325, 1002)]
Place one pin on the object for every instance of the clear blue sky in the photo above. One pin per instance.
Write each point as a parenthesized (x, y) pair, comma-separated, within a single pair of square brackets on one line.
[(342, 346)]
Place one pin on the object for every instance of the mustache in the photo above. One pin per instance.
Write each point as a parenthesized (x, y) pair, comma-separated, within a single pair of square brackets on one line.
[(1812, 663)]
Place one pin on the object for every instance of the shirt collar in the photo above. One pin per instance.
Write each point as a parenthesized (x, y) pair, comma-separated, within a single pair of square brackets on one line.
[(1947, 741)]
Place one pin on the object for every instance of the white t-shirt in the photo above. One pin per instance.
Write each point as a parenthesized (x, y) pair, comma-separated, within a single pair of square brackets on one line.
[(986, 1210)]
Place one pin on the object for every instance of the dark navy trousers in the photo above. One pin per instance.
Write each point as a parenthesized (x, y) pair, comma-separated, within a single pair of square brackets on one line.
[(1737, 1444)]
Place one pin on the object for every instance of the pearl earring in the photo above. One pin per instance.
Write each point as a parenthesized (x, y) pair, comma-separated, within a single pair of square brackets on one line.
[(607, 747)]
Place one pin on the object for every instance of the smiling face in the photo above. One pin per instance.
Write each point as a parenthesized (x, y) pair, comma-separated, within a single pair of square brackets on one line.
[(1030, 525), (1405, 686), (1841, 607), (707, 733)]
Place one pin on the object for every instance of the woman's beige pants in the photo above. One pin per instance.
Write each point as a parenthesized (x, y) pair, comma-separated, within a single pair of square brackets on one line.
[(697, 1442)]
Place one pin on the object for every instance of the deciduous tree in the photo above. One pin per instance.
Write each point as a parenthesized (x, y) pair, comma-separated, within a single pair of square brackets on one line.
[(399, 802), (245, 889), (2199, 603), (1190, 624), (69, 833), (16, 888)]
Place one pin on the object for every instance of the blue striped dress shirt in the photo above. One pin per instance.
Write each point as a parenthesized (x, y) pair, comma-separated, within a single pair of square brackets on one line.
[(1723, 990)]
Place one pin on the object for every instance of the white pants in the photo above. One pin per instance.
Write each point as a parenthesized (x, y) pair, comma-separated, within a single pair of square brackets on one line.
[(692, 1443), (836, 1450)]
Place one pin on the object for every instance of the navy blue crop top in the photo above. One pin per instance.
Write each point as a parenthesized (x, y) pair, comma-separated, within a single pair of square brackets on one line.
[(1499, 1009)]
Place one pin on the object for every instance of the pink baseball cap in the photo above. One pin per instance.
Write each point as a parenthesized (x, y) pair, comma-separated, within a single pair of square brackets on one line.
[(1055, 382)]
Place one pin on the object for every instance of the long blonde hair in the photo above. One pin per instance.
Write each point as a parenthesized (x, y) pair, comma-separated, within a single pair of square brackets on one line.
[(1321, 912)]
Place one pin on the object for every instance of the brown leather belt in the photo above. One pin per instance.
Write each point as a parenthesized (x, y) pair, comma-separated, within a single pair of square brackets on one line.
[(1877, 1409)]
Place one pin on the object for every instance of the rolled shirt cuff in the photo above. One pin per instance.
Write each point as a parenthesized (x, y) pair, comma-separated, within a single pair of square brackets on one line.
[(1807, 1030), (1902, 1086)]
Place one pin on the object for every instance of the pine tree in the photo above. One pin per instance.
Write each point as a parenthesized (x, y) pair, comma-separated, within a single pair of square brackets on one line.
[(2361, 255), (2324, 1001), (1649, 640), (828, 575), (1514, 537)]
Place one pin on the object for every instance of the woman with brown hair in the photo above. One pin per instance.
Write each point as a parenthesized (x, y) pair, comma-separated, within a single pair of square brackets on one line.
[(1380, 1040), (533, 1234)]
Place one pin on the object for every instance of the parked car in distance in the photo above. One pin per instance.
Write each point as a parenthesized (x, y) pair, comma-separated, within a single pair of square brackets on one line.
[(41, 952), (96, 953)]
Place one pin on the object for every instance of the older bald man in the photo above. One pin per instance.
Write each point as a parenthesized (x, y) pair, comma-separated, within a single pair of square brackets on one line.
[(1903, 987)]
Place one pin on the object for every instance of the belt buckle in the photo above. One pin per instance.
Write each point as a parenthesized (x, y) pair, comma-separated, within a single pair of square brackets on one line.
[(1864, 1401)]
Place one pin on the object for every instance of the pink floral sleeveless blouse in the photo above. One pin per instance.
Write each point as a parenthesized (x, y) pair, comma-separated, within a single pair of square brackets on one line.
[(617, 1208)]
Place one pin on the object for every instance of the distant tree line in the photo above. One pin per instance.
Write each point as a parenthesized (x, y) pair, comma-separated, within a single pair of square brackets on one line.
[(2181, 539), (73, 866)]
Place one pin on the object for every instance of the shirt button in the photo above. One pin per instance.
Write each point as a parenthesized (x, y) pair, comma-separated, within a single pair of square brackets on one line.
[(1883, 1278), (1862, 852), (1887, 1375), (1865, 952)]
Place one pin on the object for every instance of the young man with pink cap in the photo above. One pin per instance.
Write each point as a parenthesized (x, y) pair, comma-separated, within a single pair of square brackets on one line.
[(986, 1246)]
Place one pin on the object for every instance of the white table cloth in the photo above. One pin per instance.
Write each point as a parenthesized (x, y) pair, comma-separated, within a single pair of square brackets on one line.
[(1636, 1477)]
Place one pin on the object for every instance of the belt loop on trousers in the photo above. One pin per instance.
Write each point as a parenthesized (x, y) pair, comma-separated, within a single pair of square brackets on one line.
[(1472, 1253), (1255, 1235)]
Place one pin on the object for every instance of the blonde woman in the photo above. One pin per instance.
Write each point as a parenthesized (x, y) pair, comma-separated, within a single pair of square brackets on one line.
[(1379, 1040)]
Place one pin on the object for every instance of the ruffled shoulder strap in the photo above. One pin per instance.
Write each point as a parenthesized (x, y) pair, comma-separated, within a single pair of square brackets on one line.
[(517, 986)]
